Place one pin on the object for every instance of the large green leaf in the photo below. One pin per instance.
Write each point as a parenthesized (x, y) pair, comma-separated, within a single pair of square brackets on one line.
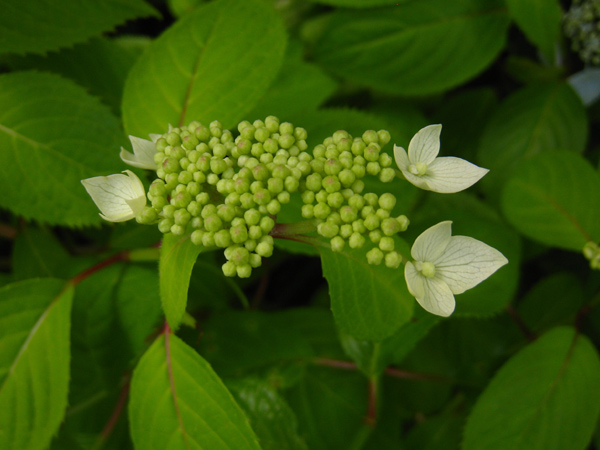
[(178, 402), (37, 253), (52, 135), (540, 21), (403, 49), (271, 417), (546, 397), (177, 258), (368, 302), (35, 318), (553, 199), (214, 64), (100, 65), (37, 26), (535, 119)]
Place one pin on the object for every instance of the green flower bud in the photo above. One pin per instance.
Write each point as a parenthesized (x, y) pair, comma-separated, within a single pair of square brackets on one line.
[(332, 153), (168, 211), (382, 213), (250, 245), (164, 226), (226, 212), (262, 134), (356, 240), (370, 136), (190, 142), (147, 216), (321, 211), (239, 234), (314, 182), (173, 139), (390, 226), (387, 201), (284, 197), (181, 217), (244, 271), (248, 132), (247, 200), (197, 223), (203, 198), (372, 199), (213, 223), (359, 226), (373, 168), (304, 167), (271, 146), (344, 145), (262, 197), (208, 210), (243, 147), (346, 230), (348, 214), (267, 224), (385, 160), (335, 200), (331, 184), (300, 133), (252, 217), (308, 197), (384, 137), (347, 177), (159, 202), (160, 173), (286, 140), (178, 230), (197, 236), (358, 186), (199, 177), (260, 173), (193, 188), (264, 249), (291, 184), (375, 236), (308, 211), (170, 165), (181, 200), (202, 133), (258, 150), (319, 151), (393, 260), (387, 175), (358, 147), (218, 166), (356, 201), (335, 217), (222, 238), (216, 132), (255, 232), (161, 144), (403, 221), (332, 167), (212, 179), (337, 244), (374, 256), (274, 206), (229, 269), (255, 260), (328, 229), (372, 222), (386, 244)]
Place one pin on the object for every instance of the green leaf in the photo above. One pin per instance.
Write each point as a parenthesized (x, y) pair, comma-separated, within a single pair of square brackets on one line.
[(271, 417), (357, 3), (237, 342), (36, 26), (53, 135), (554, 300), (440, 432), (35, 318), (100, 65), (300, 86), (404, 49), (540, 21), (535, 119), (552, 200), (330, 406), (37, 253), (178, 402), (471, 217), (177, 258), (368, 302), (545, 397), (213, 64)]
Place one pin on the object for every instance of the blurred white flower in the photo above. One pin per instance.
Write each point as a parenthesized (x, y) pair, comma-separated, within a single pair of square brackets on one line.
[(424, 169), (446, 265), (119, 197), (143, 152)]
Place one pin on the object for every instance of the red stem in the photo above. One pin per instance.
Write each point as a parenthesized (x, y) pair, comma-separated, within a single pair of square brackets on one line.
[(512, 312), (123, 256), (114, 418)]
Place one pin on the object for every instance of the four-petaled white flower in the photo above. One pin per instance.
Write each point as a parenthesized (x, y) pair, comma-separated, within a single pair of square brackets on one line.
[(445, 265), (424, 169), (119, 197), (143, 152)]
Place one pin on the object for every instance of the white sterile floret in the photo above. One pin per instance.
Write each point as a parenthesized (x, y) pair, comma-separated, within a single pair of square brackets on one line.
[(424, 169), (119, 197), (446, 265), (143, 152)]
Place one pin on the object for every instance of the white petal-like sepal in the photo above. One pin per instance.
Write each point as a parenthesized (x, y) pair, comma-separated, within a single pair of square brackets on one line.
[(432, 242), (143, 154), (425, 145), (447, 265), (466, 262), (421, 166), (448, 175), (119, 197)]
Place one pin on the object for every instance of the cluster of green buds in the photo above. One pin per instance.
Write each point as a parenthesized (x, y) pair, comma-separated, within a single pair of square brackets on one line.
[(333, 195), (591, 251), (582, 26), (225, 191)]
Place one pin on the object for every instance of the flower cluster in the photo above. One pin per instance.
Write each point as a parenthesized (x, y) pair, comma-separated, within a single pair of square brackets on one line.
[(582, 26), (226, 192)]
